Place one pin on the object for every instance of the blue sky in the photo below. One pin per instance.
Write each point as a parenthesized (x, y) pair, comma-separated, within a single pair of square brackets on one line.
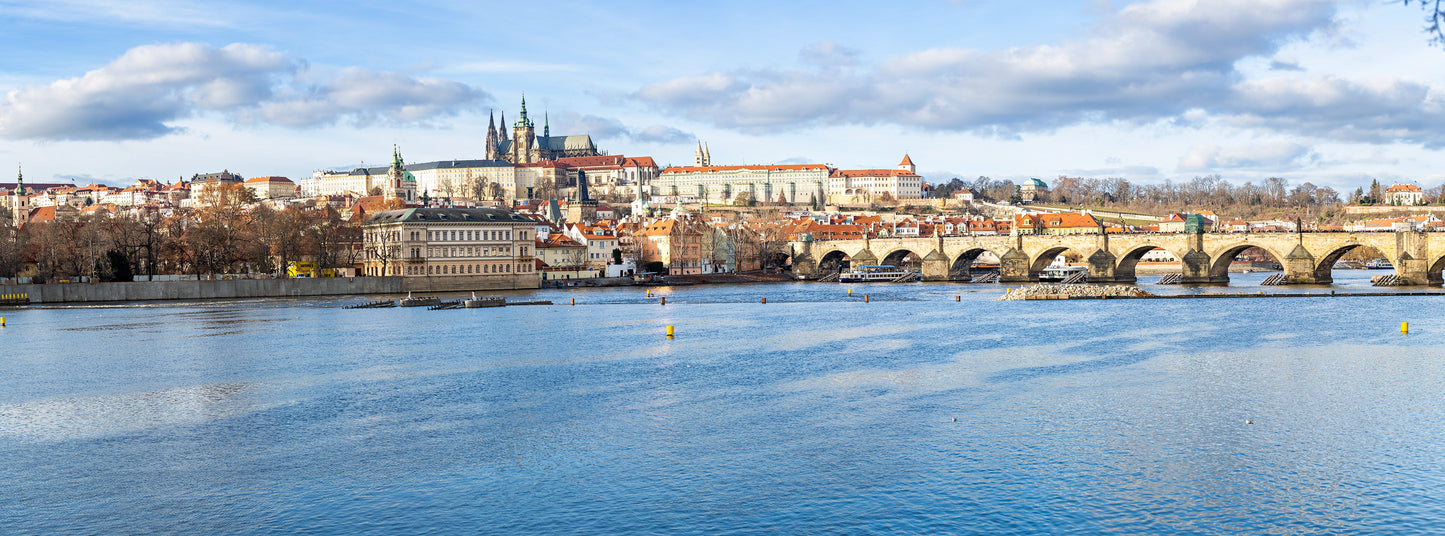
[(1332, 92)]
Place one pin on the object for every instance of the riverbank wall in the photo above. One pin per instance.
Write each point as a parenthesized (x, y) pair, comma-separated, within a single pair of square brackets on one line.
[(261, 288)]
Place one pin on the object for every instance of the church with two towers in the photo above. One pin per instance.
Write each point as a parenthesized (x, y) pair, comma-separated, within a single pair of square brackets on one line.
[(526, 147)]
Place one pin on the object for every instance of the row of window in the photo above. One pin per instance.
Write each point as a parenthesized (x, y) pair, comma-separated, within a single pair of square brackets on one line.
[(467, 269), (471, 252), (467, 235)]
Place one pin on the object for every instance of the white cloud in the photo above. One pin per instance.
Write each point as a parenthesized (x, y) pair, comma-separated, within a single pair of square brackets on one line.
[(603, 128), (143, 93), (1160, 60), (1259, 155)]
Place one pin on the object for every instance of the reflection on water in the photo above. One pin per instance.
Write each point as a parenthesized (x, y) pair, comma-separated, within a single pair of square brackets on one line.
[(101, 415), (813, 413)]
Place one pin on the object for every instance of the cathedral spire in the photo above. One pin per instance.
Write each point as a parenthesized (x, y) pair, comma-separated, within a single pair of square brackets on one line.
[(546, 126), (502, 132), (523, 122), (491, 143), (19, 180)]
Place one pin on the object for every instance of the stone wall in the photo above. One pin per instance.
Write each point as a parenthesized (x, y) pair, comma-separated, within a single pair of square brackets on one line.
[(262, 288), (1391, 211)]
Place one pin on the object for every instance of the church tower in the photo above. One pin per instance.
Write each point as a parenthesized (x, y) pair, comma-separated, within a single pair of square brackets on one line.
[(501, 133), (582, 209), (524, 138), (492, 141), (701, 158), (20, 203), (399, 183)]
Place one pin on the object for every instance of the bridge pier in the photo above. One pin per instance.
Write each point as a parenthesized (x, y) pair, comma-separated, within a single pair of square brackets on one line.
[(1013, 267), (935, 266), (1413, 254), (1299, 268), (1102, 268)]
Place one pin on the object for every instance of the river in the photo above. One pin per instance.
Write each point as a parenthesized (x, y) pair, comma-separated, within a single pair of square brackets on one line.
[(813, 413)]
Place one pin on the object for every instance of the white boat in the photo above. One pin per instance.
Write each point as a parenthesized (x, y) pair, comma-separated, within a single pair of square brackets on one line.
[(1379, 264), (873, 274), (1059, 272)]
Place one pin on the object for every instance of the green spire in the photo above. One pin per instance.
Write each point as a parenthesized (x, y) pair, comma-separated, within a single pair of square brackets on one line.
[(523, 121), (546, 126), (396, 162), (19, 180)]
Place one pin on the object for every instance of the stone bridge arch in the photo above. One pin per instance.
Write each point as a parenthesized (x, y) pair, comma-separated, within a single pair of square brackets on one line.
[(1433, 274), (904, 257), (833, 261), (1126, 269), (961, 267), (1221, 258)]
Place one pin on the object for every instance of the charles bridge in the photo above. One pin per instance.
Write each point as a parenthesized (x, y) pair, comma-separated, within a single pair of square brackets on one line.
[(1307, 257)]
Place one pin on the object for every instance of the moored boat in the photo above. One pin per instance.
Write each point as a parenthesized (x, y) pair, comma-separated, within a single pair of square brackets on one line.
[(1061, 272), (867, 274)]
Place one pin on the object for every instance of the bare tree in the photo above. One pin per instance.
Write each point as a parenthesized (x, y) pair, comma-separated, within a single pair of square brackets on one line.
[(445, 186)]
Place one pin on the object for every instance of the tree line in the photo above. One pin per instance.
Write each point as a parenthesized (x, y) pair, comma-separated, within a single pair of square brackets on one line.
[(229, 234)]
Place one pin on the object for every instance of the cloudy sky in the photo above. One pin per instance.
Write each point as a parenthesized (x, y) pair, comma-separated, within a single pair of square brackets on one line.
[(1333, 92)]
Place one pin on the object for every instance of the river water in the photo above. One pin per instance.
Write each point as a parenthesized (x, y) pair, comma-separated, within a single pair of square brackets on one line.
[(813, 413)]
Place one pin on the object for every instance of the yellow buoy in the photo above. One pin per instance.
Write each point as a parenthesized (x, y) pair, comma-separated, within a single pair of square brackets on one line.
[(1404, 327), (669, 332), (865, 298), (850, 292), (2, 321)]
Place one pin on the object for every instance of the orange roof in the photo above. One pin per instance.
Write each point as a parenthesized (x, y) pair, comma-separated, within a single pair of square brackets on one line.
[(906, 160), (42, 214), (1403, 188), (770, 167), (268, 179), (642, 161), (1065, 220), (873, 173)]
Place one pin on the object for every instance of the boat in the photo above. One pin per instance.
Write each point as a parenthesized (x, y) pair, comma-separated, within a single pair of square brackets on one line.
[(424, 301), (1379, 264), (873, 274), (490, 301), (1060, 272)]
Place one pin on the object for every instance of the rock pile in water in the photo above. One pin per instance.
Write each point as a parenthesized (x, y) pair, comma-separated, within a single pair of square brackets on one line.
[(1071, 292)]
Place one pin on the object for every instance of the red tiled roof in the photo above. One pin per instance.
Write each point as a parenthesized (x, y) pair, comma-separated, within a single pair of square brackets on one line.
[(906, 160), (770, 167)]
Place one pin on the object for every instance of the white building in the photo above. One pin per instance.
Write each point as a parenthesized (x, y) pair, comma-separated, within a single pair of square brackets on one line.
[(271, 187), (869, 185), (1404, 194), (797, 183)]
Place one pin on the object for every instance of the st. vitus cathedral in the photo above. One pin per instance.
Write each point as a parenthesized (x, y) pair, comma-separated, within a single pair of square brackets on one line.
[(526, 147)]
